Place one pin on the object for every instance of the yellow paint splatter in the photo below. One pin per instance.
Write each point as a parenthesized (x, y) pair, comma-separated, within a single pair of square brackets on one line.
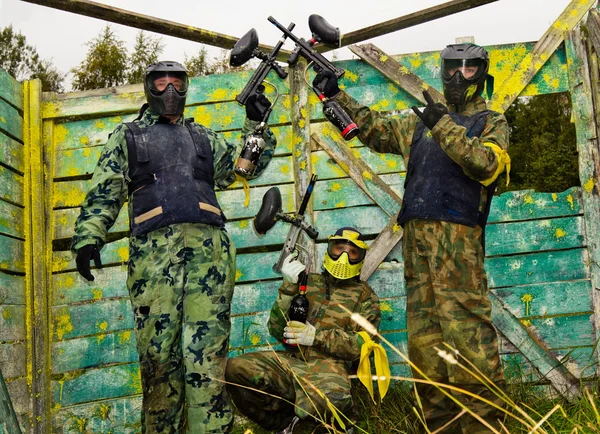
[(123, 253), (99, 125), (383, 58), (559, 233), (97, 293), (341, 204), (554, 197), (6, 314), (589, 185), (528, 199), (287, 103), (285, 168), (2, 119), (219, 94), (570, 200), (351, 76), (243, 224), (102, 326), (396, 228), (302, 165), (62, 323), (336, 186), (392, 164), (303, 112), (84, 140), (301, 123), (254, 338), (298, 152), (526, 322), (367, 175), (385, 307), (124, 337), (238, 275), (104, 411)]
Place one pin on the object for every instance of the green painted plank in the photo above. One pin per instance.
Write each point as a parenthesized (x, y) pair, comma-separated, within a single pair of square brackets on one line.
[(113, 416), (546, 299), (91, 318), (254, 297), (70, 287), (11, 90), (527, 205), (534, 236), (327, 168), (369, 220), (13, 360), (11, 219), (251, 330), (11, 186), (12, 256), (389, 281), (12, 289), (565, 331), (399, 340), (11, 153), (12, 323), (94, 351), (393, 314), (96, 384), (526, 269), (11, 121), (400, 370), (20, 397), (72, 193)]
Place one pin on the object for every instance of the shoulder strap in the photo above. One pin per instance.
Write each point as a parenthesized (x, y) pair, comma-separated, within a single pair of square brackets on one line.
[(140, 141), (199, 137)]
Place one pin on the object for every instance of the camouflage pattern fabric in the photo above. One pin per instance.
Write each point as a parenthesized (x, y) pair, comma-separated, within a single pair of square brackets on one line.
[(447, 291), (294, 376), (180, 281)]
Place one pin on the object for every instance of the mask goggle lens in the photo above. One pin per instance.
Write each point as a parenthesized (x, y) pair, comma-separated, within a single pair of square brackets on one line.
[(335, 248), (471, 69), (158, 81)]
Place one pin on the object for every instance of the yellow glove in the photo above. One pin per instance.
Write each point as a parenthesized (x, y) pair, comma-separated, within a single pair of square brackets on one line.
[(382, 366), (503, 163)]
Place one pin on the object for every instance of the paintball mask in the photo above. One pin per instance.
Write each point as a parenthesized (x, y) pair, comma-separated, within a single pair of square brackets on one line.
[(166, 86), (345, 254), (465, 73)]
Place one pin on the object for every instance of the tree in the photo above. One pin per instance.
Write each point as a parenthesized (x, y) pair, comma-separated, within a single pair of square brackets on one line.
[(543, 145), (199, 64), (105, 64), (145, 52), (22, 61)]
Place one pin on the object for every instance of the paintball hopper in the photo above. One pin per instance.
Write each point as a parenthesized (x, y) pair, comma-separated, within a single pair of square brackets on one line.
[(244, 49), (268, 212), (322, 31)]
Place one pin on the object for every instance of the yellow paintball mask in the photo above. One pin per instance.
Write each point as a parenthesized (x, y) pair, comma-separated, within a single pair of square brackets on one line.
[(345, 254)]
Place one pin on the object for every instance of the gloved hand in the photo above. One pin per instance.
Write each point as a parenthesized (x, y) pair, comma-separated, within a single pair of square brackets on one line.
[(433, 111), (326, 82), (291, 268), (257, 105), (84, 255), (297, 333)]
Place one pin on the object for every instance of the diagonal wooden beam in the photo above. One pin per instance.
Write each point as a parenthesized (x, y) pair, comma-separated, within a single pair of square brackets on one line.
[(593, 26), (541, 52), (146, 22), (397, 73)]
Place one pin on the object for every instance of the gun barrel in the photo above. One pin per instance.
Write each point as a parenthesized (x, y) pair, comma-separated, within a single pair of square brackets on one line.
[(288, 247), (306, 197)]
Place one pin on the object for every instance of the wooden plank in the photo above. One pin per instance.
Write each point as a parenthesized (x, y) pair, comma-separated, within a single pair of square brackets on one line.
[(368, 220), (564, 331), (588, 147), (72, 193), (397, 73), (11, 186), (8, 419), (11, 90), (534, 236), (13, 358), (413, 19), (117, 416), (94, 351), (95, 318), (11, 152), (11, 121), (11, 220), (548, 365), (70, 287), (250, 330), (527, 269), (12, 254), (97, 384), (507, 91), (593, 27), (12, 323), (527, 205), (21, 400), (547, 299), (387, 239), (12, 289)]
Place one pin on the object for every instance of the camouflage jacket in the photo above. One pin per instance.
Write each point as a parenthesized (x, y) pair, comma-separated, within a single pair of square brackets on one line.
[(393, 134), (336, 334), (108, 189)]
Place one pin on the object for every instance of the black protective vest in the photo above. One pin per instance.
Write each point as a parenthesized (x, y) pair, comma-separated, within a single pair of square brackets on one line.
[(436, 188), (172, 177)]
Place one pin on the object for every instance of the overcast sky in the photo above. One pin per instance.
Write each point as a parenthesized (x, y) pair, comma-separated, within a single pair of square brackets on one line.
[(61, 36)]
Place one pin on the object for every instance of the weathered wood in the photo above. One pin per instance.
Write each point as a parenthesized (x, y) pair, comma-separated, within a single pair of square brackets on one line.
[(506, 92), (118, 416), (13, 358), (413, 19), (387, 239), (564, 331), (11, 121), (12, 289), (147, 23), (397, 73), (11, 152), (21, 400), (8, 418), (587, 131), (11, 219), (12, 254), (11, 186), (593, 27), (12, 323), (11, 90)]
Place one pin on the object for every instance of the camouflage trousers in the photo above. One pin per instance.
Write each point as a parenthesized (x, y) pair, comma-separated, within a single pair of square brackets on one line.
[(180, 281), (295, 381), (448, 302)]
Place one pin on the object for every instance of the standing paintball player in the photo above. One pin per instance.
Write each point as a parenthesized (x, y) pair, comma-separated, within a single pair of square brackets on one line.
[(181, 268), (296, 383), (453, 156)]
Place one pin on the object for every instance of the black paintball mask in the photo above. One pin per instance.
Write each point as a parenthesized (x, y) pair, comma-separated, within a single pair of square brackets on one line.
[(465, 73), (166, 86)]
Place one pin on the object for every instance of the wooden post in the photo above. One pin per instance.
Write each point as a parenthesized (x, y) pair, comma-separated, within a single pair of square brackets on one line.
[(583, 100), (8, 418), (301, 149)]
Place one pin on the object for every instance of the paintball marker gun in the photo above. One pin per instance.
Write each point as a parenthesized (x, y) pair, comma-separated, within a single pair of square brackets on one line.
[(270, 212), (324, 32), (243, 50)]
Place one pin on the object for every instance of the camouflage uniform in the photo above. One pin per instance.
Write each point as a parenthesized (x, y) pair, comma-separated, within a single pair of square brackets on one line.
[(447, 291), (293, 375), (180, 281)]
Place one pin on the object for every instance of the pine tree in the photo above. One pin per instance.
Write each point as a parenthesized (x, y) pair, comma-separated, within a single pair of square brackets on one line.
[(146, 51)]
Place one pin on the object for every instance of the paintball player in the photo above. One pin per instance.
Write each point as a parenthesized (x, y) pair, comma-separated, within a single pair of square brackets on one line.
[(181, 267), (294, 382), (453, 156)]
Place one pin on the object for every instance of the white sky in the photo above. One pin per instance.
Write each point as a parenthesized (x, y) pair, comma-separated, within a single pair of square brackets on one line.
[(61, 36)]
